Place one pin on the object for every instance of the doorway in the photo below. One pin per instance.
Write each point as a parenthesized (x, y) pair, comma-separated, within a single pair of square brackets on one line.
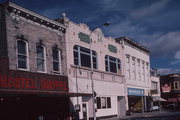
[(85, 111)]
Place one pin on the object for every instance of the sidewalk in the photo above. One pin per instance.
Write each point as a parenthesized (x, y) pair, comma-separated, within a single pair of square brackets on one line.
[(146, 114)]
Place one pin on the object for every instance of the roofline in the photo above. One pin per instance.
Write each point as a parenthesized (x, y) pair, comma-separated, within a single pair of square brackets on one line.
[(170, 74), (35, 14), (131, 42)]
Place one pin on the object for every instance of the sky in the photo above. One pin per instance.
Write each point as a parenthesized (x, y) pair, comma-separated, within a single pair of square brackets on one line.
[(153, 23)]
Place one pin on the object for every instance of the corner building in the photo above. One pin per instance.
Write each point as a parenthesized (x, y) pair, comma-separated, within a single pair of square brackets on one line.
[(108, 74), (33, 81)]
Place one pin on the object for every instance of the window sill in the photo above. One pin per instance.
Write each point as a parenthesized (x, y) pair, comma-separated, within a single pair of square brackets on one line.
[(95, 70)]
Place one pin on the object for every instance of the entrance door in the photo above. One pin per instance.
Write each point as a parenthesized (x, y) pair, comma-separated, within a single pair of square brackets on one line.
[(121, 106), (85, 111)]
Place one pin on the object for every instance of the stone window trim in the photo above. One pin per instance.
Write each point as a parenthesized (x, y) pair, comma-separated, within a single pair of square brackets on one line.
[(41, 58), (26, 55), (58, 60)]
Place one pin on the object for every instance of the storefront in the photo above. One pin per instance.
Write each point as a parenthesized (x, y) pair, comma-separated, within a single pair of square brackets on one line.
[(27, 95), (136, 99)]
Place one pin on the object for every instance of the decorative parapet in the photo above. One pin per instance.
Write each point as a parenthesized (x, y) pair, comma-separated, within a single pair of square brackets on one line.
[(18, 12), (84, 37), (112, 48)]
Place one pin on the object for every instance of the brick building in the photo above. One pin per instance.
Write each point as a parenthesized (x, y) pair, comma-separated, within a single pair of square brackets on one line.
[(33, 77), (170, 88)]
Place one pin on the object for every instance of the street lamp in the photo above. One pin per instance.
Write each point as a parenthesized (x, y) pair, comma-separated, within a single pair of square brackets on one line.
[(91, 73)]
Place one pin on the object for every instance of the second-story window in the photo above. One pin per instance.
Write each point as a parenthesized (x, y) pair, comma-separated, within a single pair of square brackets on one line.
[(22, 54), (112, 64), (56, 59), (82, 57), (41, 59)]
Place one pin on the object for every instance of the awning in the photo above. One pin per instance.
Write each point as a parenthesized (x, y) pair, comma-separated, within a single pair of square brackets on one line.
[(50, 93), (158, 98)]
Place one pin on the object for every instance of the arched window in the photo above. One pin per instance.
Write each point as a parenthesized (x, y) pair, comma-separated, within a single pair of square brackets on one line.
[(41, 58), (22, 54), (112, 64), (82, 57), (56, 59)]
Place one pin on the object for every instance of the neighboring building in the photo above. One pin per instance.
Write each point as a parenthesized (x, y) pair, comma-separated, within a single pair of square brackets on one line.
[(33, 81), (170, 88), (108, 74), (137, 75), (155, 90)]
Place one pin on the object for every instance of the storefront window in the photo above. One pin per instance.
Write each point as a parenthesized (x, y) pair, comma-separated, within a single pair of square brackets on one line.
[(103, 102)]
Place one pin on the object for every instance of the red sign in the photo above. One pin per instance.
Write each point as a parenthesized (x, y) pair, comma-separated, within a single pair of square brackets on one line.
[(10, 82), (166, 88)]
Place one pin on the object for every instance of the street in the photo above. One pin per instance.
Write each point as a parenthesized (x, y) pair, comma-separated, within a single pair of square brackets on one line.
[(155, 115)]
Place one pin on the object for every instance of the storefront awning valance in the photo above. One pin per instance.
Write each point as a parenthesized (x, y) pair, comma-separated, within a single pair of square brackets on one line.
[(158, 98)]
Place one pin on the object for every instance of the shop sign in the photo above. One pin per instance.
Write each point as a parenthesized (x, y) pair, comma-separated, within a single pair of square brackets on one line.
[(166, 88), (135, 91), (33, 83)]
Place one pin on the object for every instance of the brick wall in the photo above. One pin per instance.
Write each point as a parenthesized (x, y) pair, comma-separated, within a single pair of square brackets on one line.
[(33, 32)]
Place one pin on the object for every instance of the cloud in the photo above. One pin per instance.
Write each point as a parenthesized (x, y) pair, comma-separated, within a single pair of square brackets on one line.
[(165, 71), (52, 12), (123, 27), (177, 59), (165, 44), (177, 55), (149, 10)]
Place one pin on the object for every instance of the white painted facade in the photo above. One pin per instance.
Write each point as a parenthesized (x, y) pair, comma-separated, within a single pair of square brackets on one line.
[(106, 84), (137, 67)]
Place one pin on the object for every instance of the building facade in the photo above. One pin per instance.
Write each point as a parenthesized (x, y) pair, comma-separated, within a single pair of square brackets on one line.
[(170, 88), (107, 68), (33, 81), (137, 75), (155, 90)]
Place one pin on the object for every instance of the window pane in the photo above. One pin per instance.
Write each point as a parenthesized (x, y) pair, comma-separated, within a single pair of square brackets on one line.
[(113, 67), (40, 51), (22, 61), (103, 102), (40, 64), (108, 102), (112, 59), (55, 54), (106, 64), (85, 60), (84, 50), (94, 65), (98, 102), (55, 66), (21, 47)]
